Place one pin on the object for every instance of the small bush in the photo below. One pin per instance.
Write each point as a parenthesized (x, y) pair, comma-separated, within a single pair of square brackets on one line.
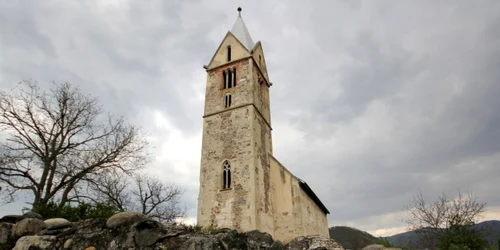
[(80, 212)]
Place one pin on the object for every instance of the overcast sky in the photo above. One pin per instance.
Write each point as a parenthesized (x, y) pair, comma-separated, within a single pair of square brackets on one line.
[(372, 100)]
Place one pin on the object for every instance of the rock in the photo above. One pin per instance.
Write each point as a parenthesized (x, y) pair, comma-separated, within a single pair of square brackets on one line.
[(233, 240), (314, 243), (5, 232), (57, 223), (124, 219), (277, 245), (261, 239), (11, 218), (67, 243), (31, 214), (34, 242), (29, 226), (374, 247), (147, 233), (197, 242), (136, 231)]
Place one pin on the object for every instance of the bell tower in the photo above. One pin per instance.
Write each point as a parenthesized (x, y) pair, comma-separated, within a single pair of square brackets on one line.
[(235, 179)]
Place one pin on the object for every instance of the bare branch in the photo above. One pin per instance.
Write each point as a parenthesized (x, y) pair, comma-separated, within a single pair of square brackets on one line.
[(57, 139)]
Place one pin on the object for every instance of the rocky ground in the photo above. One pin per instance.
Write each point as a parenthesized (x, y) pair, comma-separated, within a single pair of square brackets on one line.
[(130, 230)]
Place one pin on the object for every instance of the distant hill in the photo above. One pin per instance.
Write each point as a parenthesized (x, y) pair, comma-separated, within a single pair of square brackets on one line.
[(351, 238), (489, 229)]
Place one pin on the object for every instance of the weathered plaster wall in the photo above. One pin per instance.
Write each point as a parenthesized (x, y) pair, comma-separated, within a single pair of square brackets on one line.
[(295, 213), (264, 202), (285, 213), (261, 94), (258, 55), (314, 221), (264, 194), (227, 136), (237, 52), (241, 94)]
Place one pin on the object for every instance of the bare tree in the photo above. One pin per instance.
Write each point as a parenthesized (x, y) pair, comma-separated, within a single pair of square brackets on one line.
[(432, 219), (57, 139), (140, 193)]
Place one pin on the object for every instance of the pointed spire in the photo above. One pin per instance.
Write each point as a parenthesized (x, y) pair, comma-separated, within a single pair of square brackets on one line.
[(240, 31)]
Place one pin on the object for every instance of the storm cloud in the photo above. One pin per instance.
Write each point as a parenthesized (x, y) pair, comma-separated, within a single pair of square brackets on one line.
[(371, 101)]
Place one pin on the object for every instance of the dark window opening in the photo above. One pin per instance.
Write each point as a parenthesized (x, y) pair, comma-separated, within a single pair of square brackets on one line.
[(226, 175), (234, 77), (224, 79), (229, 79), (228, 53), (227, 101)]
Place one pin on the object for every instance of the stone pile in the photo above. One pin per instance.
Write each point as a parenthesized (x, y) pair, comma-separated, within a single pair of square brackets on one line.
[(129, 230)]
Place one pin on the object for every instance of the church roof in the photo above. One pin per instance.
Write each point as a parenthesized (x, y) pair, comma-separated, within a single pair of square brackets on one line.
[(241, 33), (312, 195)]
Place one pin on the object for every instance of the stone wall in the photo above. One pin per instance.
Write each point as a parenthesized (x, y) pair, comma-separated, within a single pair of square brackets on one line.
[(227, 136), (295, 212), (129, 231), (264, 195)]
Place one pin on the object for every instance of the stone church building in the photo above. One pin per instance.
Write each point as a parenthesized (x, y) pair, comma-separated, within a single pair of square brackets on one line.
[(242, 185)]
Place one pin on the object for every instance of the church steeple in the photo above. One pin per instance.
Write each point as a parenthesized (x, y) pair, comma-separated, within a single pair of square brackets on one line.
[(241, 33)]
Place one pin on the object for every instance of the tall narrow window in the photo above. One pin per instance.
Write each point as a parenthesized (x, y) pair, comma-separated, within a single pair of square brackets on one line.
[(224, 79), (234, 77), (228, 53), (227, 101), (229, 79), (226, 175), (260, 61)]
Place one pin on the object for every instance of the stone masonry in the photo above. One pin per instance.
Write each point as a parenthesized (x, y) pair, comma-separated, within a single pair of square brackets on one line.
[(263, 195)]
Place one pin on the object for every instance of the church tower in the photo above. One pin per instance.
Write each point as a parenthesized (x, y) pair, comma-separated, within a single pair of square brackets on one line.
[(242, 185), (234, 177)]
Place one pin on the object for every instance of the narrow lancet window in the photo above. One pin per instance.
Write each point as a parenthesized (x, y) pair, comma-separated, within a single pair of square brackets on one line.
[(226, 175), (227, 101), (228, 53), (224, 79), (230, 79), (234, 77)]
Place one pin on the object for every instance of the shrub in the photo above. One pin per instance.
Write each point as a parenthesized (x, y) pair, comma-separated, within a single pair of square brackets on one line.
[(75, 213)]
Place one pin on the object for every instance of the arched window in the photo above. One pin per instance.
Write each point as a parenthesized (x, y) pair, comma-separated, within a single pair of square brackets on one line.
[(229, 78), (228, 53), (226, 175), (260, 61)]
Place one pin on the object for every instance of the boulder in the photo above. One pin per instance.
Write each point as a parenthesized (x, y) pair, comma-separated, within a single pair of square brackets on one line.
[(31, 214), (124, 219), (29, 226), (256, 237), (5, 232), (57, 223), (314, 242), (147, 232), (11, 218), (136, 231), (34, 242)]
